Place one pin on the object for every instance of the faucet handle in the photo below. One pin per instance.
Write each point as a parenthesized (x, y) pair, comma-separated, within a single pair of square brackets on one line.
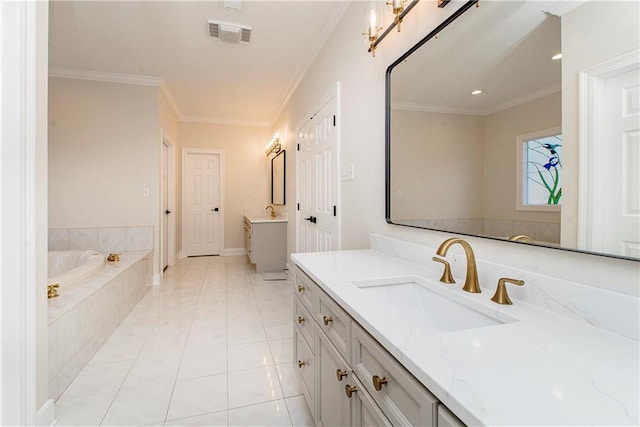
[(501, 296), (446, 274)]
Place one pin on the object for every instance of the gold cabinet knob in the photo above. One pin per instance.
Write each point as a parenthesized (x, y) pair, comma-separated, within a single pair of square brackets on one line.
[(301, 363), (300, 288), (349, 390), (341, 374), (326, 320), (379, 382), (300, 320), (501, 296)]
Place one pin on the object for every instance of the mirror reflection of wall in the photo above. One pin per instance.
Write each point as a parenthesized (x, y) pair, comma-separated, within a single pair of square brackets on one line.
[(464, 109), (278, 179)]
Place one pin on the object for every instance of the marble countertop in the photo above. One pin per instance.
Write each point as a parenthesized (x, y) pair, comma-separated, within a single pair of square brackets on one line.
[(263, 219), (539, 368)]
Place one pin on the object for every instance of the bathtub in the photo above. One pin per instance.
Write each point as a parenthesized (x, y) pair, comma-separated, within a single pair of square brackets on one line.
[(69, 267)]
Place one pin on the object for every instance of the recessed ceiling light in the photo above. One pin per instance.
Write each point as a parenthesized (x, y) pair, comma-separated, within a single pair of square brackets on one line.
[(557, 56), (476, 92)]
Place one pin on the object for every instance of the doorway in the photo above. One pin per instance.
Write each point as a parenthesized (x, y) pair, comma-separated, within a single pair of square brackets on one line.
[(317, 221), (167, 203), (202, 201)]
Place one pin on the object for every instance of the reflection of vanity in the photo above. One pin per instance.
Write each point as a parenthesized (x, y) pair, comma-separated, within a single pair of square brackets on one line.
[(266, 242)]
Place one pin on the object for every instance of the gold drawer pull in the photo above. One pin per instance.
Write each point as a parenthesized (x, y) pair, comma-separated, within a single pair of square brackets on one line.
[(300, 288), (341, 374), (300, 320), (301, 363), (349, 390), (379, 382), (326, 320)]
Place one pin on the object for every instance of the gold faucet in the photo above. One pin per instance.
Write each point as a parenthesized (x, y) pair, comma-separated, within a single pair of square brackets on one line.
[(521, 238), (273, 211), (501, 296), (471, 281), (52, 290)]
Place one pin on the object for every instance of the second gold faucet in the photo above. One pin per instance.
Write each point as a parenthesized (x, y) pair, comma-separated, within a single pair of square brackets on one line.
[(471, 281)]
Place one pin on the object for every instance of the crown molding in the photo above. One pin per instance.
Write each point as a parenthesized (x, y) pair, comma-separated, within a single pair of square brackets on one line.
[(328, 29), (228, 122), (160, 83), (410, 106), (168, 96), (101, 76)]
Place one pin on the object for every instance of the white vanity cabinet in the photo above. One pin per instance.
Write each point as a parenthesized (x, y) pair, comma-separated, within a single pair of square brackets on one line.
[(266, 243), (356, 382)]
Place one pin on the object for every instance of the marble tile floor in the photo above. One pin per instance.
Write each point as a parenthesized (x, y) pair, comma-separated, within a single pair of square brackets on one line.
[(211, 346)]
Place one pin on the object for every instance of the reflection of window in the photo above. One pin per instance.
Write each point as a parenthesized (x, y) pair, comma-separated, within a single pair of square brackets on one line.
[(540, 170)]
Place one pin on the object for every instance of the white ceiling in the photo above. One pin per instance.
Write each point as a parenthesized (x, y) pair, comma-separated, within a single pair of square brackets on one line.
[(208, 79)]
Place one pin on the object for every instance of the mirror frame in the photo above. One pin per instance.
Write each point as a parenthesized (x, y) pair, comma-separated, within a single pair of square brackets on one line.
[(387, 131), (284, 178)]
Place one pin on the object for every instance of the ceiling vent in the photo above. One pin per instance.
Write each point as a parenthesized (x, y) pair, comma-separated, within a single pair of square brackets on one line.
[(230, 33)]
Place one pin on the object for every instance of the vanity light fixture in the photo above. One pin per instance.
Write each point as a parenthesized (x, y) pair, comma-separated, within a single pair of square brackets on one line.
[(400, 11), (373, 28), (476, 92), (397, 7), (273, 146), (557, 56)]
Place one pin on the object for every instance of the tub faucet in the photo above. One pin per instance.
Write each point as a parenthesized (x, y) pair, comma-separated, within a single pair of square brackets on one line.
[(471, 281), (273, 211)]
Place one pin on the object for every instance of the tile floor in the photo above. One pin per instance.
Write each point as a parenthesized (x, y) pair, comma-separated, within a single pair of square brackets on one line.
[(211, 346)]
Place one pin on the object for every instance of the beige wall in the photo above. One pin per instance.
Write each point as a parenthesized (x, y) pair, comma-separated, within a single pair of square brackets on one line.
[(104, 149), (247, 171), (344, 58), (428, 145), (500, 177), (615, 33)]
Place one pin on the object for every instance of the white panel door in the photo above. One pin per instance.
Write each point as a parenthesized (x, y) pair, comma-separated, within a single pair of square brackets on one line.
[(318, 181), (622, 161), (164, 204), (202, 204)]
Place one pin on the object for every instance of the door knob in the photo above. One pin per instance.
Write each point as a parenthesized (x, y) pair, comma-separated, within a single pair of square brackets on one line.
[(215, 210), (167, 212)]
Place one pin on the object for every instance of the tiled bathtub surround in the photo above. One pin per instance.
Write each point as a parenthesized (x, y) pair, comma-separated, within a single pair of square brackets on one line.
[(87, 313), (582, 302), (102, 239)]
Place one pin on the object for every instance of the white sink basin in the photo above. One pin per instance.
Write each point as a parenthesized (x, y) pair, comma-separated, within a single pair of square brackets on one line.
[(415, 304)]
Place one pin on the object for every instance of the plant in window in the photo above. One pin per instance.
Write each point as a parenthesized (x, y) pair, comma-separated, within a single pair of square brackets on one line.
[(544, 165)]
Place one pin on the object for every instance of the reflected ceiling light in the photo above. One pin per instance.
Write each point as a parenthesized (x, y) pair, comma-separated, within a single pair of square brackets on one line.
[(273, 145), (476, 92), (557, 56)]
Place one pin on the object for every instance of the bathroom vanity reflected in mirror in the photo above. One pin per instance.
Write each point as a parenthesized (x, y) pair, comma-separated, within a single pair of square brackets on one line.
[(278, 179), (470, 106)]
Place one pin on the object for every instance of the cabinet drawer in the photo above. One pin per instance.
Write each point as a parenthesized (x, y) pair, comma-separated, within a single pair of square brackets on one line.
[(304, 366), (447, 419), (400, 396), (306, 290), (335, 322), (304, 322)]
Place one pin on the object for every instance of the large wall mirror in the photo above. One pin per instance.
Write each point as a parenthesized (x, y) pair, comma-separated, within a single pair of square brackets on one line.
[(278, 179), (521, 120)]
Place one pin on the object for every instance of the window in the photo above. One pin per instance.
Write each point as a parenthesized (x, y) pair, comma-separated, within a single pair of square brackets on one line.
[(540, 170)]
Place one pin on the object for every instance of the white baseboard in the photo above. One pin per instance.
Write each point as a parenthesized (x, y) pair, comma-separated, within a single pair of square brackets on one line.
[(157, 280), (234, 251), (46, 415), (290, 270), (181, 255)]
